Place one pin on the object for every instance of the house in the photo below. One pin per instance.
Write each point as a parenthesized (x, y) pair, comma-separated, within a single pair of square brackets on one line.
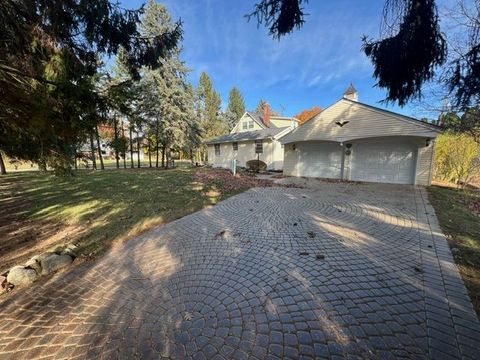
[(354, 141), (253, 137)]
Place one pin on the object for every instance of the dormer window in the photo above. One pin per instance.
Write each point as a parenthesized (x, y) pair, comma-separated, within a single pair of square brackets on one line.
[(245, 125), (250, 124)]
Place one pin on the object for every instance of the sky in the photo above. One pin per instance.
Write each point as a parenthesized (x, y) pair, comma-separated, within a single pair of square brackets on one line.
[(313, 66)]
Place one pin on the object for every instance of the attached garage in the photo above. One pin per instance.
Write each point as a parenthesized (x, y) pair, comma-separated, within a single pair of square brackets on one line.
[(354, 141), (320, 160), (384, 161)]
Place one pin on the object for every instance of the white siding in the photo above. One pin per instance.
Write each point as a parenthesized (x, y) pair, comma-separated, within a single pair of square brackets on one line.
[(425, 163), (281, 122), (363, 122), (272, 154), (246, 118), (290, 160)]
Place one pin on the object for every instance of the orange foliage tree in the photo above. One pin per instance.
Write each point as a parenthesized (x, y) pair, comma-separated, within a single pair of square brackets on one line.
[(306, 115)]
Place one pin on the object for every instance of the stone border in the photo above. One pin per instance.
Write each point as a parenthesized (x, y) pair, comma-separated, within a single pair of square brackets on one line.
[(453, 328), (39, 265)]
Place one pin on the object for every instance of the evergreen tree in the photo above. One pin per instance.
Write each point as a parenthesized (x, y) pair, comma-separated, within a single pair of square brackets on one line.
[(208, 103), (49, 54), (236, 103)]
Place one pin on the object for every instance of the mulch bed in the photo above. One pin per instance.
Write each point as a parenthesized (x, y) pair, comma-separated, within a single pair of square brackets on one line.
[(225, 181)]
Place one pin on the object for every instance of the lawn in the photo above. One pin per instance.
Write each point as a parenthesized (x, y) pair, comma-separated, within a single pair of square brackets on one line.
[(458, 212), (94, 209)]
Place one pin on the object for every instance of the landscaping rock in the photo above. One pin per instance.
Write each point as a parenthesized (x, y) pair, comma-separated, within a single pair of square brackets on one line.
[(40, 257), (35, 265), (54, 262), (19, 276)]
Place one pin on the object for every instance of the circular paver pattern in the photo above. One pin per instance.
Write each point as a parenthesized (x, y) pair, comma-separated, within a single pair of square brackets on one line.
[(268, 274)]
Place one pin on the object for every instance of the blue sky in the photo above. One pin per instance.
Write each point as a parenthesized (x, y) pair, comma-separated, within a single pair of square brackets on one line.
[(312, 66)]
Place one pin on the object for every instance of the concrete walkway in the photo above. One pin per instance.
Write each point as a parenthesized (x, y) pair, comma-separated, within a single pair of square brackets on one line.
[(330, 271)]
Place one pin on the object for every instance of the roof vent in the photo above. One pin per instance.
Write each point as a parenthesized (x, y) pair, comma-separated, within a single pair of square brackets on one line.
[(351, 93)]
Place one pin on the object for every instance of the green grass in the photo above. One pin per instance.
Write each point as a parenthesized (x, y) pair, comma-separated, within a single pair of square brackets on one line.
[(462, 228), (105, 206)]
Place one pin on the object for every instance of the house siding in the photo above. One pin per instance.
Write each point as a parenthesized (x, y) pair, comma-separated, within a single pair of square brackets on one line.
[(281, 122), (363, 121), (425, 157), (272, 154), (290, 161), (246, 118)]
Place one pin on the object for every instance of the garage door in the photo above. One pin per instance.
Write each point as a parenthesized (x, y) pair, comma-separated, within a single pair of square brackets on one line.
[(388, 162), (320, 160)]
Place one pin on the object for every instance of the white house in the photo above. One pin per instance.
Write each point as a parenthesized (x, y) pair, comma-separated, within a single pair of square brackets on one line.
[(354, 141), (253, 137)]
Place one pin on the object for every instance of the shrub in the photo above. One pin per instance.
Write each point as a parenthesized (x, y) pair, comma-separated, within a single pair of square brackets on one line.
[(256, 165), (457, 158)]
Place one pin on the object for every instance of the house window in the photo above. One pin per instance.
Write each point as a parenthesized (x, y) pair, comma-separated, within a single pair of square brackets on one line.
[(245, 125), (258, 147), (250, 124), (217, 149), (235, 146)]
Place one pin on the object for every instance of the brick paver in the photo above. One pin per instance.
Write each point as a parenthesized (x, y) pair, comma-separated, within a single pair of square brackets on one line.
[(331, 271)]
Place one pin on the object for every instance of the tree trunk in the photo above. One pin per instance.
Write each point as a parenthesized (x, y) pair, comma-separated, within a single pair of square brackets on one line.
[(131, 148), (124, 150), (157, 147), (75, 157), (163, 155), (115, 129), (3, 169), (149, 153), (138, 151), (99, 148), (167, 156), (92, 149)]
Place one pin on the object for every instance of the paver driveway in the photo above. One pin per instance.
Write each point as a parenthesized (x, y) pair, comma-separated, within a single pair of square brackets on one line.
[(338, 270)]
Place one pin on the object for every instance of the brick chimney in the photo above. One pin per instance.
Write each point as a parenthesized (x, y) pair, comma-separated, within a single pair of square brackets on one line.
[(266, 114)]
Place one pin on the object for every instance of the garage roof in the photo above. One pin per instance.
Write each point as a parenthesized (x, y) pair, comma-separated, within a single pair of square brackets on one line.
[(348, 120)]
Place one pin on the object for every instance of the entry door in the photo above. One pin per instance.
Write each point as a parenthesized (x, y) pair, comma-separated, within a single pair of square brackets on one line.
[(385, 162)]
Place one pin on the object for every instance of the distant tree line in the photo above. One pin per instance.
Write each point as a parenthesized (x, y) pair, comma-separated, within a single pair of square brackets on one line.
[(58, 97)]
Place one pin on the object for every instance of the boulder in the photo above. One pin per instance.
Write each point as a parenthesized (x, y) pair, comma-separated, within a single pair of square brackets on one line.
[(40, 257), (54, 262), (19, 276), (34, 264)]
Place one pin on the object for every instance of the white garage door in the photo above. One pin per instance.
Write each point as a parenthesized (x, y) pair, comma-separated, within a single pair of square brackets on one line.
[(387, 162), (320, 160)]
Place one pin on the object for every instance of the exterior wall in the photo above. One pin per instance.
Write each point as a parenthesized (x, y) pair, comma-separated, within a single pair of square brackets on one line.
[(424, 169), (423, 163), (246, 119), (290, 160), (363, 122), (272, 154), (278, 122)]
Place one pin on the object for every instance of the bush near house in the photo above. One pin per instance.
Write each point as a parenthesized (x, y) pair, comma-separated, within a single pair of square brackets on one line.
[(457, 158), (256, 165)]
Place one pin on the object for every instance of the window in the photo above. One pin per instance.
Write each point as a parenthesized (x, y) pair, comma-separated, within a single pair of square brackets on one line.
[(250, 124), (258, 147), (217, 149), (245, 125), (235, 146)]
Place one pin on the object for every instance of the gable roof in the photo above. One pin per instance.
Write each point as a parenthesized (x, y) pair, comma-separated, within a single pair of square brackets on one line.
[(364, 121), (253, 116), (248, 135)]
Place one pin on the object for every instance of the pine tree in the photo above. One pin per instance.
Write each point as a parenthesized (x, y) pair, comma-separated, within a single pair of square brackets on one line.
[(236, 104)]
